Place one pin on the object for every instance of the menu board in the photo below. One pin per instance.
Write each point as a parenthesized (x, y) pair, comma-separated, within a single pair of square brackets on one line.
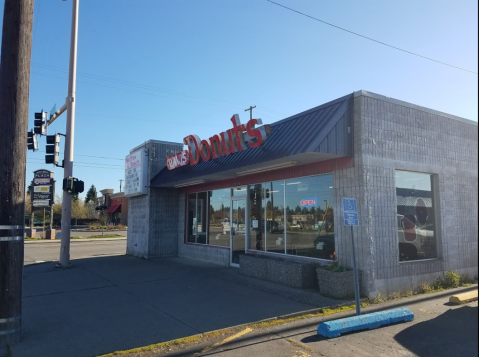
[(136, 174)]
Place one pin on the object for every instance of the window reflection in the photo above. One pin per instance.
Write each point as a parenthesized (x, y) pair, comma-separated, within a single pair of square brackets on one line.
[(274, 208), (415, 216), (219, 217), (309, 217)]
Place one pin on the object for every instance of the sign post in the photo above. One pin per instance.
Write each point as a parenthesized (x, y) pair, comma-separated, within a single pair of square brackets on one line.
[(351, 219)]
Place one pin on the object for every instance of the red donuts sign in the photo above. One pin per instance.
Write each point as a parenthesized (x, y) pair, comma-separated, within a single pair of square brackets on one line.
[(223, 144)]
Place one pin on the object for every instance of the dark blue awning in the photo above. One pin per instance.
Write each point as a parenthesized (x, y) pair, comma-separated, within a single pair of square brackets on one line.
[(321, 133)]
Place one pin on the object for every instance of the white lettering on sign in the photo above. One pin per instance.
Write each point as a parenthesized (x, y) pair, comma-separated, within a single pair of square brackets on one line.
[(36, 203), (41, 188), (177, 160), (41, 181)]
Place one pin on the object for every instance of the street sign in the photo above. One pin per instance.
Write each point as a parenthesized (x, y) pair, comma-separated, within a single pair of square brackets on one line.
[(350, 212)]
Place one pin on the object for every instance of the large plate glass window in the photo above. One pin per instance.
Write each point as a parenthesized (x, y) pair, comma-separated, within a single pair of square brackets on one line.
[(415, 216), (219, 217), (273, 193), (309, 217)]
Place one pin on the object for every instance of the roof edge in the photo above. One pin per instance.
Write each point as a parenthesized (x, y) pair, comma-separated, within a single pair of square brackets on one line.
[(153, 141), (366, 93)]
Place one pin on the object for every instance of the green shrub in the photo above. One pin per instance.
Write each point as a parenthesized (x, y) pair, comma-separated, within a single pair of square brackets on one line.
[(426, 289), (452, 280)]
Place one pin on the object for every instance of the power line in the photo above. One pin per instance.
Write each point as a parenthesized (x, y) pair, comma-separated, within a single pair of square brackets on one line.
[(82, 162), (99, 157), (149, 87), (371, 39)]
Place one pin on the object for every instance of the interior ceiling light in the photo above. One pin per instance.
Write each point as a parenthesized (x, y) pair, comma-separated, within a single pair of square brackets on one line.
[(293, 183), (267, 168), (191, 183)]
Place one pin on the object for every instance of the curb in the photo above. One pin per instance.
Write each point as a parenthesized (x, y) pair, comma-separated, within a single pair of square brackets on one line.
[(72, 240), (305, 313)]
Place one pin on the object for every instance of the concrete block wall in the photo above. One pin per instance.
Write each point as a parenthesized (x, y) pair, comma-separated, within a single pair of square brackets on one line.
[(153, 225), (390, 135), (207, 253)]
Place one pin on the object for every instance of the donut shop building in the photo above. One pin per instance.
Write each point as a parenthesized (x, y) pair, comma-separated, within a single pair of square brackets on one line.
[(275, 191)]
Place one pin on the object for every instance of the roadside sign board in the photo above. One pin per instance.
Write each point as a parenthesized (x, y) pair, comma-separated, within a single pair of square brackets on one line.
[(41, 181), (350, 212), (41, 189), (41, 196), (41, 203)]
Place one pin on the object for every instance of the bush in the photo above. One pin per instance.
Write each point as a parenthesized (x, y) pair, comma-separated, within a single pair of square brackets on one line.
[(452, 280)]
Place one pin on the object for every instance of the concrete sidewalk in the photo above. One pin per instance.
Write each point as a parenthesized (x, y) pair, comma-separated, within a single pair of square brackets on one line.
[(101, 305)]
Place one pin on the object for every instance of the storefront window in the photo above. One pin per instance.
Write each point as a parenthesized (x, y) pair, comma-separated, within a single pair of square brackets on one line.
[(256, 217), (415, 216), (274, 216), (309, 217), (191, 219), (292, 217), (219, 217)]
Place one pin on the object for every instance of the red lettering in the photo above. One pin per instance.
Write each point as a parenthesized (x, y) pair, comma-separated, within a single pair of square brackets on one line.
[(228, 144), (192, 142), (254, 133), (238, 129), (216, 149), (205, 150)]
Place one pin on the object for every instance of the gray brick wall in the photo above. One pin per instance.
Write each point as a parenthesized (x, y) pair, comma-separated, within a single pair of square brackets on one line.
[(391, 135), (152, 231)]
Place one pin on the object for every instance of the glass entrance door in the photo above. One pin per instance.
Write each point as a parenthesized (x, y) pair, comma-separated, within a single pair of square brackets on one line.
[(238, 229)]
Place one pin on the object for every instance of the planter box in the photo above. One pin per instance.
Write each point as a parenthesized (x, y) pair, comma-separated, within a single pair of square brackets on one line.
[(280, 270), (338, 285)]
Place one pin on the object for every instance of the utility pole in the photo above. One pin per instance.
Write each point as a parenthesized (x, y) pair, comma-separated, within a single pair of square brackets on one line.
[(14, 95), (120, 183), (250, 111), (64, 261)]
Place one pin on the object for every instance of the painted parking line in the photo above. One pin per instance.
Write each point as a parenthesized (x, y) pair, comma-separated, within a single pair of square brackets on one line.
[(229, 339)]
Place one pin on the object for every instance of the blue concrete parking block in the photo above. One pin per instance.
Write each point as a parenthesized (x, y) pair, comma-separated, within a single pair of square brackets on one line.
[(368, 321)]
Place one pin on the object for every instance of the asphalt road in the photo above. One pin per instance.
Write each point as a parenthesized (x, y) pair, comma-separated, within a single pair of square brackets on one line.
[(47, 251)]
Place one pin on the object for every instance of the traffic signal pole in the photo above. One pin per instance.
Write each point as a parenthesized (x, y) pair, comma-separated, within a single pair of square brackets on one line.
[(64, 260)]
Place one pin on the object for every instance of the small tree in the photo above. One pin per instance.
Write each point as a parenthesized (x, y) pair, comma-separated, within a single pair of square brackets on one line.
[(91, 196)]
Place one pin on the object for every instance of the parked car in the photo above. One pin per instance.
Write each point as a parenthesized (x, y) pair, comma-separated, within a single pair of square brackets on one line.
[(414, 241)]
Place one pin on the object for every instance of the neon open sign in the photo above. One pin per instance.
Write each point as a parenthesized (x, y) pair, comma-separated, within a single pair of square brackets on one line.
[(309, 202), (223, 144)]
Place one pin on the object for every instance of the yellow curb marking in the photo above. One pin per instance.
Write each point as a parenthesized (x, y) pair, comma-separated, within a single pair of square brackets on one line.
[(226, 340)]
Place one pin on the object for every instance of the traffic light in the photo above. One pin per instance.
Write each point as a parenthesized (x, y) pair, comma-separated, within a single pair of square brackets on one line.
[(32, 143), (73, 185), (53, 149), (78, 186), (68, 184), (40, 120)]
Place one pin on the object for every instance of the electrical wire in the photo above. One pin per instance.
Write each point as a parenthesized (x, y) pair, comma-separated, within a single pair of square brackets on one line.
[(371, 39), (153, 88)]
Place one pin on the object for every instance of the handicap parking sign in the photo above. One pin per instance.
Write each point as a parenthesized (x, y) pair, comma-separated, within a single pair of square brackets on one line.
[(350, 212)]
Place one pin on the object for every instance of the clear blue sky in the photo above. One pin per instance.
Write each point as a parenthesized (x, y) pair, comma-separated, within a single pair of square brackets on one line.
[(161, 70)]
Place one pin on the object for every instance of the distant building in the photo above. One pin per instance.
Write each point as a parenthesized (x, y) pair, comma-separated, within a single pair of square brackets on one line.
[(115, 205)]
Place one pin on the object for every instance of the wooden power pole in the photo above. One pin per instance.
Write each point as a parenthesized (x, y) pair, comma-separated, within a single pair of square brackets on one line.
[(14, 92)]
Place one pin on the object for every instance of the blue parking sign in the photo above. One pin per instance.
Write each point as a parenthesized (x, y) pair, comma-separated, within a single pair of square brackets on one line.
[(350, 212)]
